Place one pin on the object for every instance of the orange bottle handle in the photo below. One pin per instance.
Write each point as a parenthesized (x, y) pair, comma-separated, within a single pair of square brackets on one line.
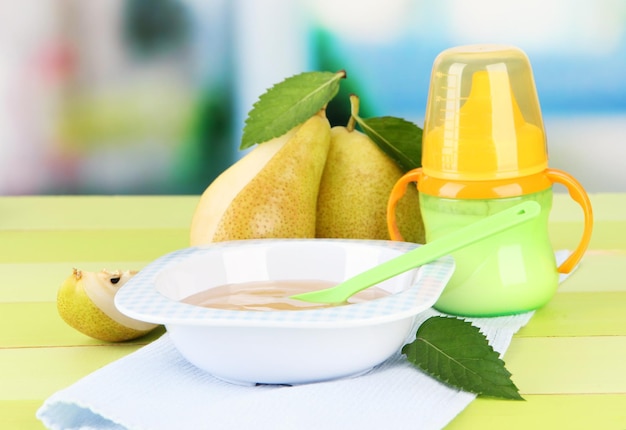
[(579, 195), (398, 191)]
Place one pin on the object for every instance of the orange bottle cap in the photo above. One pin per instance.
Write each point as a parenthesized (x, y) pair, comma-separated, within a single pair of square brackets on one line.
[(483, 120)]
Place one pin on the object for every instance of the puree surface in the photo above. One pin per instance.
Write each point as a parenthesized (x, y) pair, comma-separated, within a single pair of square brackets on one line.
[(271, 295)]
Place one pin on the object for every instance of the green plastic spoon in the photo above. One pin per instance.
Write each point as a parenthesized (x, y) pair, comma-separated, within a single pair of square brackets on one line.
[(472, 233)]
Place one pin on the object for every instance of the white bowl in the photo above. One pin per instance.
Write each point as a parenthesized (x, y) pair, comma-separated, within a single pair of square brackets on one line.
[(282, 347)]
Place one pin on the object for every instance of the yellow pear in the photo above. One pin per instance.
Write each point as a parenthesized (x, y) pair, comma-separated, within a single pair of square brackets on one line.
[(85, 302), (270, 193), (355, 188)]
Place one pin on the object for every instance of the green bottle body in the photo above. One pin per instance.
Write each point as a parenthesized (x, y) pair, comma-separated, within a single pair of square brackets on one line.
[(509, 273)]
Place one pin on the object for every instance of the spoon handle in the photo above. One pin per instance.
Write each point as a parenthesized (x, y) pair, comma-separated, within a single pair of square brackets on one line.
[(424, 254)]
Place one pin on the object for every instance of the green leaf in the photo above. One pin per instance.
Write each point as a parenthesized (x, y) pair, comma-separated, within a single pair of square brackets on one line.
[(401, 140), (455, 352), (287, 104)]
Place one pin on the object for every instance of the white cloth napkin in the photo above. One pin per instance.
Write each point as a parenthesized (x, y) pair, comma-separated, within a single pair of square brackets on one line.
[(155, 388)]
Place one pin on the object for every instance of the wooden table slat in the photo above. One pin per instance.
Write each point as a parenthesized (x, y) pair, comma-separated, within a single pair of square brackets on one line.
[(36, 373), (39, 282), (579, 314), (568, 365), (571, 412), (46, 330), (89, 245), (34, 213)]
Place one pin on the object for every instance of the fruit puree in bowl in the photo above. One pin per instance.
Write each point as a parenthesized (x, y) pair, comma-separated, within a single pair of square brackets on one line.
[(283, 346)]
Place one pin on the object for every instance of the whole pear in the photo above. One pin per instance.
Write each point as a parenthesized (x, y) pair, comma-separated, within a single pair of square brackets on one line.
[(355, 188), (269, 193), (85, 302)]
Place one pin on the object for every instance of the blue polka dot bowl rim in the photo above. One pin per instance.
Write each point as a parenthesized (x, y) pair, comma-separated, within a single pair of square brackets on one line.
[(283, 346)]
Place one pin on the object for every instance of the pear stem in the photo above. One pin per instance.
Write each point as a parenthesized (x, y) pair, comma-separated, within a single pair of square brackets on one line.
[(354, 111)]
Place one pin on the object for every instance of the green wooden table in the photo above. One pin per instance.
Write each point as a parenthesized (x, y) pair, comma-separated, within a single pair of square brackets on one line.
[(569, 361)]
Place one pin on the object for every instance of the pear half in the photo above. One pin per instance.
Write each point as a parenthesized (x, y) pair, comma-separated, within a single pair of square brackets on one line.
[(85, 302), (270, 193), (355, 188)]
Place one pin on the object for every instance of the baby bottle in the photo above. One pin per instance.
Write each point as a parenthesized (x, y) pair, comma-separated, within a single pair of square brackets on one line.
[(484, 150)]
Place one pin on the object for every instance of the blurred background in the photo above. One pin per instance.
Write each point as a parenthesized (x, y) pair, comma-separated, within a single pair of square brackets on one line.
[(150, 96)]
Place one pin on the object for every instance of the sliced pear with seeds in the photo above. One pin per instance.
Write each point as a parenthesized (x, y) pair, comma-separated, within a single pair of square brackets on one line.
[(270, 193), (85, 302)]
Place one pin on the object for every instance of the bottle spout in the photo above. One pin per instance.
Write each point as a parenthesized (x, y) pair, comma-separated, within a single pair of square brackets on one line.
[(483, 119)]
